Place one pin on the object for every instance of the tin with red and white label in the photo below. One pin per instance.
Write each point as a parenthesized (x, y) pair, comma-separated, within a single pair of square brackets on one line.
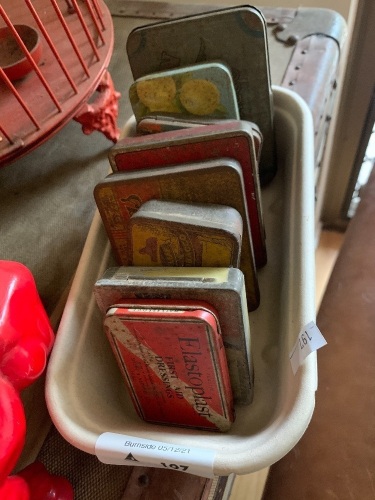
[(222, 288), (173, 362), (233, 139), (168, 233)]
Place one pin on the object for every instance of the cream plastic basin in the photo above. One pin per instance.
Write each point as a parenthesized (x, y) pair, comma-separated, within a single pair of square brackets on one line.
[(84, 390)]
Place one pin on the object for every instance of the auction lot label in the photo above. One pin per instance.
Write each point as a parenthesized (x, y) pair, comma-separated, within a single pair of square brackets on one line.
[(120, 449)]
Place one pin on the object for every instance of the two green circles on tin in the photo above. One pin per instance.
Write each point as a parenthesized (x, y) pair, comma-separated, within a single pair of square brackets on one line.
[(204, 90)]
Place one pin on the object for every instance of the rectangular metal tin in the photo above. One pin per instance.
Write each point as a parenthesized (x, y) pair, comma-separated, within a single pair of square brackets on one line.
[(162, 123), (221, 140), (236, 35), (220, 181), (168, 233), (222, 288), (204, 90), (173, 362)]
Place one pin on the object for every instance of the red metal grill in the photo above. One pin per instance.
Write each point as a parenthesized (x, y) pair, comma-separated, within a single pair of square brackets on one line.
[(76, 42)]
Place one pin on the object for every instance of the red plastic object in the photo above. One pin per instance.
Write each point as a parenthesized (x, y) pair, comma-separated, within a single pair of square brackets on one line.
[(12, 428), (77, 43), (12, 59), (26, 338), (45, 486), (34, 482), (15, 488), (101, 114)]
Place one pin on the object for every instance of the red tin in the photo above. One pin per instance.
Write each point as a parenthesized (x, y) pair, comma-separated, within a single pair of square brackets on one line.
[(161, 123), (222, 288), (173, 362), (121, 194), (220, 140)]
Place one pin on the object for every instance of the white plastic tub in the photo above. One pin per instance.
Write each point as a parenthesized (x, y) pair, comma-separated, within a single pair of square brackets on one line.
[(85, 392)]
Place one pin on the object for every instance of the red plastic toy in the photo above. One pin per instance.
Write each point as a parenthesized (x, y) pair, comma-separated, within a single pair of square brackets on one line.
[(26, 339)]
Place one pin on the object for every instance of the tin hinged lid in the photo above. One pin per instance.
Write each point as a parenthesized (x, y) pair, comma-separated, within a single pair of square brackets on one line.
[(229, 139), (222, 288)]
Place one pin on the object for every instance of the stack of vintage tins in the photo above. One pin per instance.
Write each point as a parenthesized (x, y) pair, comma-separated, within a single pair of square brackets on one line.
[(182, 210)]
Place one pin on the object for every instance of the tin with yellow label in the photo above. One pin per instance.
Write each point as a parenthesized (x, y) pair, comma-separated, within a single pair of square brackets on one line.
[(168, 233), (173, 362), (197, 90)]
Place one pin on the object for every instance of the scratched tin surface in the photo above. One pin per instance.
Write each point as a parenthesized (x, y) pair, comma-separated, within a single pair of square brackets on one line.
[(205, 90), (173, 362), (167, 233), (232, 139), (222, 288), (162, 123), (237, 36), (121, 194)]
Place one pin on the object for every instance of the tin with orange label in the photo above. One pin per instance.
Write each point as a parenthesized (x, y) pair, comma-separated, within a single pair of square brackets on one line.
[(173, 362), (168, 233), (220, 181)]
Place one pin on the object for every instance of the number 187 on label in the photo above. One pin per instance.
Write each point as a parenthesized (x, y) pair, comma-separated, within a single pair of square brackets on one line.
[(309, 340), (304, 339)]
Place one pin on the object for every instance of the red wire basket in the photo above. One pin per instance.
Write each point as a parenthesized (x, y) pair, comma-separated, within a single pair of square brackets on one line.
[(53, 57)]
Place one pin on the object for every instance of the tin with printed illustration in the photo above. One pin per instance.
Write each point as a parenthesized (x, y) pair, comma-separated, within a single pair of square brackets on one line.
[(175, 43), (173, 362), (121, 194), (168, 233)]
